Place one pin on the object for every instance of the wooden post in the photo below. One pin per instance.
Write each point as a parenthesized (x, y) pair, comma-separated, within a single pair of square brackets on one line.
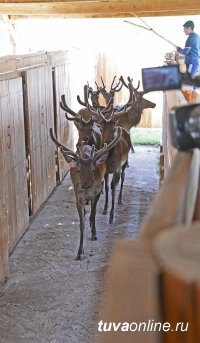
[(178, 254)]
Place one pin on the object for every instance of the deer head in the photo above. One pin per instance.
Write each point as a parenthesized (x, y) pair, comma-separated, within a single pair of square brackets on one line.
[(113, 89), (86, 158)]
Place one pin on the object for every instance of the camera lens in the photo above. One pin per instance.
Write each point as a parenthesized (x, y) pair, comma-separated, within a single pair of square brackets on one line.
[(192, 125)]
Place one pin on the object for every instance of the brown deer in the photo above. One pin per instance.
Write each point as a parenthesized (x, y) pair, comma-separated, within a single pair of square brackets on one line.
[(135, 112), (94, 96), (87, 174), (108, 95), (89, 131), (132, 116), (116, 161)]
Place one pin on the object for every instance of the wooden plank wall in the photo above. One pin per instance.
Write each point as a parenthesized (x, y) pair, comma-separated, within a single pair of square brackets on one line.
[(64, 128), (40, 112), (14, 158), (4, 234), (30, 90), (13, 63)]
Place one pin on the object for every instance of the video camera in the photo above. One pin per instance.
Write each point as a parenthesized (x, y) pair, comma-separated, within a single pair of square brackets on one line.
[(184, 121)]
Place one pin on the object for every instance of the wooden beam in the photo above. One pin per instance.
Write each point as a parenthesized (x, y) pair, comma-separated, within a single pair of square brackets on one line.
[(11, 31), (101, 8), (102, 15)]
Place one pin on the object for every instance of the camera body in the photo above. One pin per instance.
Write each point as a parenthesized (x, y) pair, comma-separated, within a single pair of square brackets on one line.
[(161, 78), (184, 121), (184, 126)]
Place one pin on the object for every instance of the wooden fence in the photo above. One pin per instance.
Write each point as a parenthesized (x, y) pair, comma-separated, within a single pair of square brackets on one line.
[(171, 99), (154, 279), (30, 167)]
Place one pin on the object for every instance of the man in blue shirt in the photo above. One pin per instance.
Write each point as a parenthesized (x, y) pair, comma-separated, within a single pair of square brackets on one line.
[(192, 49)]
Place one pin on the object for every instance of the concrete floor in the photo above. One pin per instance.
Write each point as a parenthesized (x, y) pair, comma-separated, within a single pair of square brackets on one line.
[(49, 296)]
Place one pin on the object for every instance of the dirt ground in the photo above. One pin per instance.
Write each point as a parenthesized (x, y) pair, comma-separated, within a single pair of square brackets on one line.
[(49, 296)]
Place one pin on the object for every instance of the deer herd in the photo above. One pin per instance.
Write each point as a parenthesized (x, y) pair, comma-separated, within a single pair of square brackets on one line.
[(103, 146)]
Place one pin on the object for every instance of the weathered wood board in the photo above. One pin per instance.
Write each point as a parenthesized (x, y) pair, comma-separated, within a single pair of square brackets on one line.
[(13, 163), (40, 117), (64, 128)]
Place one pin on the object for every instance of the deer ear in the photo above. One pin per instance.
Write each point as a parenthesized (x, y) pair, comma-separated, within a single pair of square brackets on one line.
[(72, 164), (69, 159)]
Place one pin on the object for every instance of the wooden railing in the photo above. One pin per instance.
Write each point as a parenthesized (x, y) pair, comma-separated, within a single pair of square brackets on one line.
[(173, 99), (154, 279)]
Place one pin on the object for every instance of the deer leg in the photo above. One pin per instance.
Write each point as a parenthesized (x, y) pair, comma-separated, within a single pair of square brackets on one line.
[(106, 179), (102, 187), (92, 217), (132, 148), (127, 164), (122, 182), (80, 209), (114, 183)]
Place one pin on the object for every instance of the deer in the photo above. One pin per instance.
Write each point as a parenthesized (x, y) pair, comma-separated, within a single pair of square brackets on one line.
[(134, 114), (87, 171), (116, 161), (94, 96), (110, 95), (86, 121), (89, 131)]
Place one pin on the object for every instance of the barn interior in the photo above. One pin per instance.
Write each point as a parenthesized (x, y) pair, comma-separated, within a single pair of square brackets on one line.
[(144, 268)]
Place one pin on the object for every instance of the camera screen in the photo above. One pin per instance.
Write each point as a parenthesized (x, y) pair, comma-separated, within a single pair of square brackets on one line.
[(161, 78)]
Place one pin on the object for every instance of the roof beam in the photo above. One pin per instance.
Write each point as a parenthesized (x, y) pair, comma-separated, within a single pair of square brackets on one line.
[(93, 9), (11, 31)]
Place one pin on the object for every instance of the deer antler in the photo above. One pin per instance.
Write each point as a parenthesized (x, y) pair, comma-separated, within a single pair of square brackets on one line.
[(132, 97), (113, 115), (86, 93), (67, 151), (73, 119), (115, 88), (65, 108), (123, 81), (103, 83), (81, 102), (131, 81)]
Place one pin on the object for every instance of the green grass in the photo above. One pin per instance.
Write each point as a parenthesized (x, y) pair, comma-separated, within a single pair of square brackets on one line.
[(143, 136)]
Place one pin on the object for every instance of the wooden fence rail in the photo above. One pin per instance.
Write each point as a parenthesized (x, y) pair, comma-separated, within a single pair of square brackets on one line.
[(155, 277), (148, 274)]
